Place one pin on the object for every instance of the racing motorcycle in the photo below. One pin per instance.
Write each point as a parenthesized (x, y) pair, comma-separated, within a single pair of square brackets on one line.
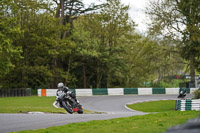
[(68, 103), (182, 94)]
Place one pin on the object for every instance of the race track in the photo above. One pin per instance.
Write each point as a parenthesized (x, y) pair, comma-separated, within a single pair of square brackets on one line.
[(112, 106)]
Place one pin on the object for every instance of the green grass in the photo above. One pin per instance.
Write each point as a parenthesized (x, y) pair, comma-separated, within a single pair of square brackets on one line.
[(27, 104), (151, 123), (30, 104), (154, 106)]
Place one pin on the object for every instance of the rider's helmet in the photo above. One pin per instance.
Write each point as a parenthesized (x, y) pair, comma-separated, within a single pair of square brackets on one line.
[(60, 86)]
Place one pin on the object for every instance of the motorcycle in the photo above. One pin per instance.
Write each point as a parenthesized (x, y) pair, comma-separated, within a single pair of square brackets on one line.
[(68, 103), (182, 94)]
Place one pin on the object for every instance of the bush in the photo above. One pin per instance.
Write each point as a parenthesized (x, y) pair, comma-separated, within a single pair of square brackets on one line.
[(197, 94)]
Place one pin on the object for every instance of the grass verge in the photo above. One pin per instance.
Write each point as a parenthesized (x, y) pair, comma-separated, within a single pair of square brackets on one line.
[(154, 106), (30, 104), (151, 123)]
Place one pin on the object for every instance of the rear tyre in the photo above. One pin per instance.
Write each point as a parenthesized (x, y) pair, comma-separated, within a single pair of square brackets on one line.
[(80, 109), (67, 106)]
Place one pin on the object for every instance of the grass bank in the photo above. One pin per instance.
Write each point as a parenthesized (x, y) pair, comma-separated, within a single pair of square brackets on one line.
[(154, 106), (30, 104), (151, 123)]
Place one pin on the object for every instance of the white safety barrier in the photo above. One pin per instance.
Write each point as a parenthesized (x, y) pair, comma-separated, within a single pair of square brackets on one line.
[(115, 91), (189, 105), (39, 91), (83, 92), (144, 91), (172, 90), (196, 105), (51, 92)]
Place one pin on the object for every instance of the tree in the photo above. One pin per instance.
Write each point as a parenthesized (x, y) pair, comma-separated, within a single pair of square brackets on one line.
[(115, 23), (70, 10), (9, 32), (86, 48), (178, 20), (94, 49), (39, 42)]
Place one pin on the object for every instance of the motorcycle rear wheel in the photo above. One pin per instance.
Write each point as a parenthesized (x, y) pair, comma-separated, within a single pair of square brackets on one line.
[(67, 106), (80, 109)]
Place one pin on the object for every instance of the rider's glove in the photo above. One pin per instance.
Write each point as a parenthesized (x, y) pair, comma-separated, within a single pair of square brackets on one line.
[(58, 98)]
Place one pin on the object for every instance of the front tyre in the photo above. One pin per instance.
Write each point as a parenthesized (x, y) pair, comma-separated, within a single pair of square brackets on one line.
[(67, 106)]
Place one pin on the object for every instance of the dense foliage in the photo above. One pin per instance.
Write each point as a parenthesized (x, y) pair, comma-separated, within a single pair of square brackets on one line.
[(43, 43), (197, 94), (178, 21)]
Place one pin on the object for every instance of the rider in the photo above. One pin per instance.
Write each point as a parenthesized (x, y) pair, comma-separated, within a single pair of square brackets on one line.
[(65, 89)]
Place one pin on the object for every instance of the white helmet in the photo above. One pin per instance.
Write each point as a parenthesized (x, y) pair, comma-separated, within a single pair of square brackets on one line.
[(60, 85)]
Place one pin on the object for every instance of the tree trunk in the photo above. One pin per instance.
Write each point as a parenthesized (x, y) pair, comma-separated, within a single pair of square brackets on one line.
[(99, 76), (108, 79), (192, 71), (58, 11), (62, 11), (84, 75)]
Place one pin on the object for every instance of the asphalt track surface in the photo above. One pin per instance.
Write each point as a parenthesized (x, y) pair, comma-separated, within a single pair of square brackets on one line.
[(111, 106)]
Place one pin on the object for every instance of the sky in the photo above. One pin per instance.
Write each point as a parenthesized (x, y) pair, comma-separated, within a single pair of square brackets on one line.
[(136, 12)]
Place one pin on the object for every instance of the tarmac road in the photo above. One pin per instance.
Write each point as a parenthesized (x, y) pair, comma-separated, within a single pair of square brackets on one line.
[(113, 106)]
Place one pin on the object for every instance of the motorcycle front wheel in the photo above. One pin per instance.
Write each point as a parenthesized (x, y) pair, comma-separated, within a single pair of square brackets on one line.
[(67, 106)]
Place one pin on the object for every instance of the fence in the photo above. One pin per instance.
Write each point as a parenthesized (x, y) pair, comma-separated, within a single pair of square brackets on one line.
[(118, 91), (15, 92), (188, 104)]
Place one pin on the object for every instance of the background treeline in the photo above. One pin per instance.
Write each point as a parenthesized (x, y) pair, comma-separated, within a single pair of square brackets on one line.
[(46, 42)]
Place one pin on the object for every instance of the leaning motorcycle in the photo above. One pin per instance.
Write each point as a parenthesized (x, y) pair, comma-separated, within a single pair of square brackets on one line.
[(68, 103), (182, 94)]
